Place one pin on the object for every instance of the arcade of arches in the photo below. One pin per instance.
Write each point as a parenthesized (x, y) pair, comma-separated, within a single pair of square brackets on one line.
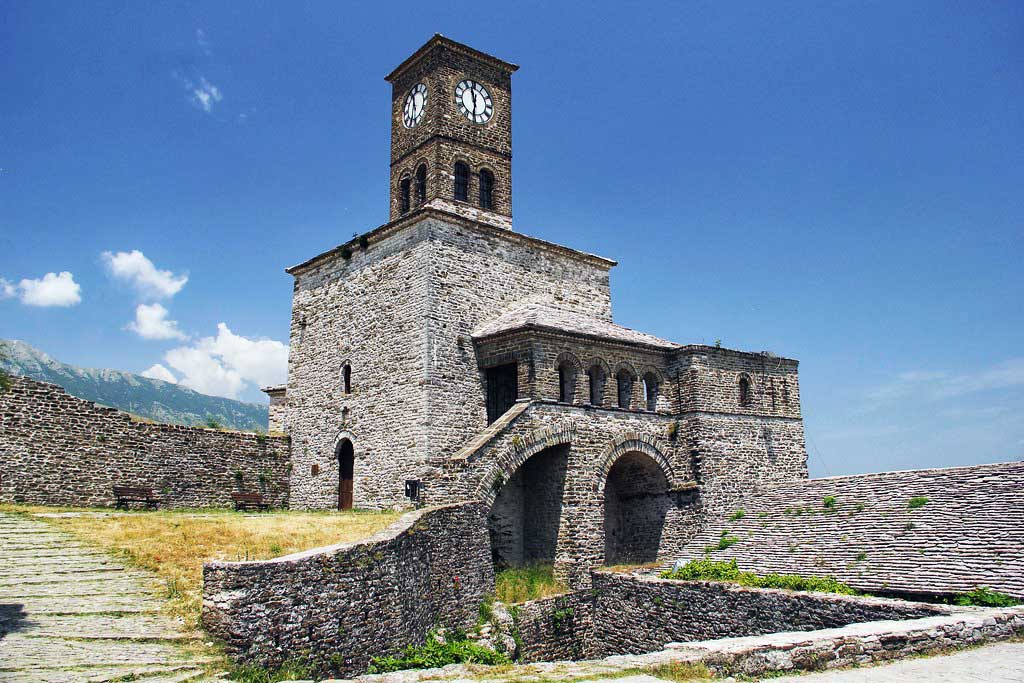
[(527, 512)]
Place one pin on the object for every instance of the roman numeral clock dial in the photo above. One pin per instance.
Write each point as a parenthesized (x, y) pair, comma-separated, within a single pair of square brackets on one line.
[(415, 104), (474, 101)]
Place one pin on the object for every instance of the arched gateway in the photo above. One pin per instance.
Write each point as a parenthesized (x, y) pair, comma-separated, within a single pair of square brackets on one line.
[(346, 471)]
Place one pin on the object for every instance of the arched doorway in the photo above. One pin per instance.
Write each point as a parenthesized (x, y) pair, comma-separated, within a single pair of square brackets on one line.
[(527, 510), (636, 502), (346, 468)]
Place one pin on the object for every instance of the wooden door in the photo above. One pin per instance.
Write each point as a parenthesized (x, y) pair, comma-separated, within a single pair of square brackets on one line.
[(346, 470)]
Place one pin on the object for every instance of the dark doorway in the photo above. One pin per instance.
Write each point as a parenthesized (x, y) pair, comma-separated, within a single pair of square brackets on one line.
[(502, 390), (346, 468), (527, 512), (636, 502)]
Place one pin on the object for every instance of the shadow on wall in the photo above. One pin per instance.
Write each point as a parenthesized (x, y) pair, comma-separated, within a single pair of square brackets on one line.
[(524, 519), (636, 502)]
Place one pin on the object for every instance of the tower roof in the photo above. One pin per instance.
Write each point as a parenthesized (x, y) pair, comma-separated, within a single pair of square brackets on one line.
[(439, 40)]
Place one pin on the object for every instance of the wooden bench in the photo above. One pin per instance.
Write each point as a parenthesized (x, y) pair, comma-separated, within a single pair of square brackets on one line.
[(249, 501), (135, 494)]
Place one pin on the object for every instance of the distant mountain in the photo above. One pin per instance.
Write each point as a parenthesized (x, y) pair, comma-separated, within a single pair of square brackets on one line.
[(150, 398)]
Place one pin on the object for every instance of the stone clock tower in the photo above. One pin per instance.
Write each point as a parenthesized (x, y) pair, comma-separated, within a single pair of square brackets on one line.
[(451, 132)]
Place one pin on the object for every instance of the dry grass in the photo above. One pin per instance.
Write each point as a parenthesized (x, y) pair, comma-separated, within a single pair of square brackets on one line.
[(522, 584), (175, 544)]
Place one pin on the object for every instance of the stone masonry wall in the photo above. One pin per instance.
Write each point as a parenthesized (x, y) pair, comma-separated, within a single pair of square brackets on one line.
[(635, 614), (56, 449), (555, 629), (337, 607)]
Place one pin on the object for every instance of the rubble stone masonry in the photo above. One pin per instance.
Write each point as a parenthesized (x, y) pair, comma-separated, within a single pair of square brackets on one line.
[(56, 449)]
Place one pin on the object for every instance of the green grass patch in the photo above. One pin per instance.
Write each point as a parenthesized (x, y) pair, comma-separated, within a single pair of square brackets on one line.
[(680, 672), (289, 671), (917, 502), (520, 584), (434, 654), (709, 570), (983, 596)]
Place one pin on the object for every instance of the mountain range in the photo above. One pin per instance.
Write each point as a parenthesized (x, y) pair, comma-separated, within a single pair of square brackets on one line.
[(154, 399)]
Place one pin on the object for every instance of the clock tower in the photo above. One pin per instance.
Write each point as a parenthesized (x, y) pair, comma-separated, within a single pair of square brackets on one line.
[(451, 132)]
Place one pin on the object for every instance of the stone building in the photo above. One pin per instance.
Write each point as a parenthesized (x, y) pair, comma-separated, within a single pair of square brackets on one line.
[(444, 356)]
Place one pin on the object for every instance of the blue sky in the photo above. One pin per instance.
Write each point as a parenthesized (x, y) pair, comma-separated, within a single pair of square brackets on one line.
[(835, 182)]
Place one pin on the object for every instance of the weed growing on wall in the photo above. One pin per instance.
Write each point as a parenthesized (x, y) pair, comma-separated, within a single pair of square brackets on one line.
[(711, 570), (738, 515), (917, 502), (437, 653)]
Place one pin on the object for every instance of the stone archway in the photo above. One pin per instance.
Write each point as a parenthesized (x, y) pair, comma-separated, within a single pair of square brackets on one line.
[(636, 503), (346, 473), (527, 512)]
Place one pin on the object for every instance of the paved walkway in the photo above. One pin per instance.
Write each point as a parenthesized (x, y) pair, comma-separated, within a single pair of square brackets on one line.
[(70, 613)]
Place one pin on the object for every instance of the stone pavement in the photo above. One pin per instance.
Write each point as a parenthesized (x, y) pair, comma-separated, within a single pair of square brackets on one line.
[(70, 613)]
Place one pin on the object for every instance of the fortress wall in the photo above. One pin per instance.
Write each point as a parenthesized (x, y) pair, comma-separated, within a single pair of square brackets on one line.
[(633, 614), (337, 607), (56, 449)]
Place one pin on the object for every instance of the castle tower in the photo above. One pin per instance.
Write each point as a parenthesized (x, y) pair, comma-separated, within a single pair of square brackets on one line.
[(451, 132)]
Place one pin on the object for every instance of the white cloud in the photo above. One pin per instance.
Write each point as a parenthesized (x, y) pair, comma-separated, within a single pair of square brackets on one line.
[(935, 386), (139, 271), (151, 323), (7, 289), (228, 363), (158, 371), (50, 290)]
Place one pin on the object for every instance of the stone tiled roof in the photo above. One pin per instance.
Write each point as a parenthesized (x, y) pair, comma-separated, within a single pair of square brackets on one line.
[(969, 533), (538, 316)]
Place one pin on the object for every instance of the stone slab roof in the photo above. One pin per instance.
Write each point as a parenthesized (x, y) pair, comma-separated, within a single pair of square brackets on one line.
[(969, 533), (541, 317)]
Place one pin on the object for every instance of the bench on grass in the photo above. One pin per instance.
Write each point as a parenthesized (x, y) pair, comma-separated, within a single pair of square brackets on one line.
[(135, 494), (249, 501)]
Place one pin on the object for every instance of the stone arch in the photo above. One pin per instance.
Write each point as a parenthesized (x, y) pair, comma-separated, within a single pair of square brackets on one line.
[(569, 369), (626, 379), (597, 369), (635, 494), (745, 389), (632, 442), (517, 453), (652, 380)]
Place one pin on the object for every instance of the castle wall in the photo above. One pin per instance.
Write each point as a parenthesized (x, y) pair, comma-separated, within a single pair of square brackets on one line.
[(56, 449), (334, 608)]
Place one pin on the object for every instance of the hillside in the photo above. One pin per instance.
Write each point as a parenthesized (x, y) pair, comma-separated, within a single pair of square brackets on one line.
[(150, 398)]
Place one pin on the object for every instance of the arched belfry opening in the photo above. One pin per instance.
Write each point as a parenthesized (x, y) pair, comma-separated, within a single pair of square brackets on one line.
[(346, 470), (636, 502), (527, 510)]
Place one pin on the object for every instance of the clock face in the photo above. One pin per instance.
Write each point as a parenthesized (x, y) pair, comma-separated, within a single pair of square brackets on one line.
[(415, 104), (474, 101)]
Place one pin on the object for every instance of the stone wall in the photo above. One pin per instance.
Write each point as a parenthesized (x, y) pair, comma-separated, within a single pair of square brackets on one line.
[(337, 607), (56, 449), (556, 628), (634, 614)]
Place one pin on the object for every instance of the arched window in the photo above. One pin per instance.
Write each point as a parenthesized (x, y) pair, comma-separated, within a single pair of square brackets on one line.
[(346, 378), (566, 382), (461, 181), (744, 390), (651, 391), (596, 376), (421, 184), (624, 381), (486, 189), (403, 195)]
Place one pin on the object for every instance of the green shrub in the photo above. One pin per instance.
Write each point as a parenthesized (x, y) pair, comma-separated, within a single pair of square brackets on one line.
[(829, 502), (738, 515), (707, 569), (983, 596), (433, 654), (724, 542), (917, 502)]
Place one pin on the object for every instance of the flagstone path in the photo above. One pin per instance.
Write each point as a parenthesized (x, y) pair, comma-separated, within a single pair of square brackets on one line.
[(71, 613)]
